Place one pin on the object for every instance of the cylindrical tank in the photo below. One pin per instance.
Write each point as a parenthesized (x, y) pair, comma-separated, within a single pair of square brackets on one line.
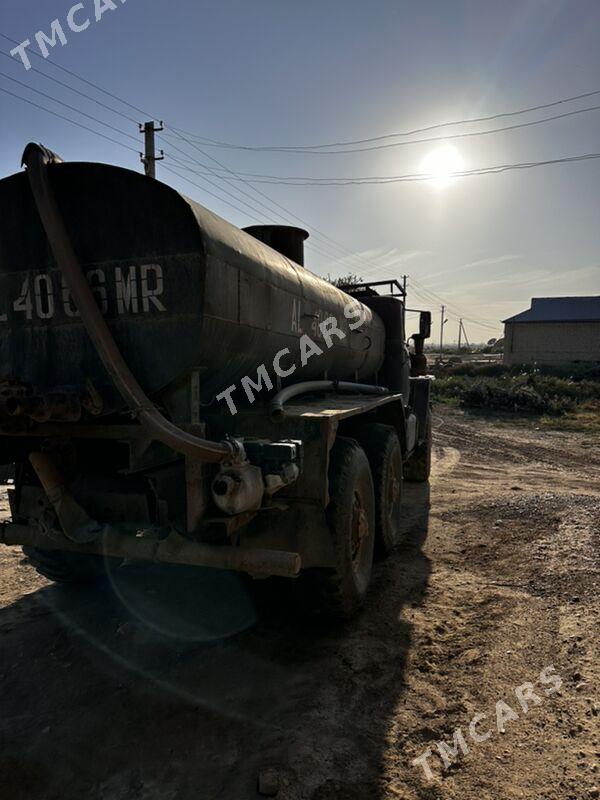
[(182, 289)]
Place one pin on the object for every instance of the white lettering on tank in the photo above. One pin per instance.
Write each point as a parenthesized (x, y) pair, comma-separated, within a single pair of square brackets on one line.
[(23, 302), (127, 291), (97, 279), (151, 295), (44, 296), (68, 304)]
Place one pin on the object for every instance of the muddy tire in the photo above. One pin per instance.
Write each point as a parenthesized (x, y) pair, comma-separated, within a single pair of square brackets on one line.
[(338, 593), (384, 452), (418, 466), (63, 567)]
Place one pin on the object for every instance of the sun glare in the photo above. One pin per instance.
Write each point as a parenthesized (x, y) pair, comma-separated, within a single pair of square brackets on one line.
[(441, 163)]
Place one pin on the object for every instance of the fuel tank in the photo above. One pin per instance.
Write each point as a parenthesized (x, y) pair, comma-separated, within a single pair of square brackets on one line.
[(181, 288)]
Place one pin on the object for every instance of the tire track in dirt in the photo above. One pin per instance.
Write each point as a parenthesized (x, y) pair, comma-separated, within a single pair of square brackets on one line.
[(496, 579)]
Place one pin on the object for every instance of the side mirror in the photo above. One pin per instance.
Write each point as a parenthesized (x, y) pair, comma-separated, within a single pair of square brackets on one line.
[(425, 324)]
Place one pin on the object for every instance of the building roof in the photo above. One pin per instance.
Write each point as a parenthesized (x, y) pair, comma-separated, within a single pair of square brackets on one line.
[(560, 309)]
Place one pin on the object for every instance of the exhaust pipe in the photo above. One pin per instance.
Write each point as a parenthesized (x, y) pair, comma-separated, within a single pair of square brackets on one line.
[(172, 550)]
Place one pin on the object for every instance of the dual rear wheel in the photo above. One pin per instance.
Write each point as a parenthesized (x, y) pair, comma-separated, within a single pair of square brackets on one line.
[(365, 489)]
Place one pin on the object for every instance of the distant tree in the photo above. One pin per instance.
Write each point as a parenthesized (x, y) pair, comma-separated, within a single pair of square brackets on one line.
[(344, 280), (492, 342)]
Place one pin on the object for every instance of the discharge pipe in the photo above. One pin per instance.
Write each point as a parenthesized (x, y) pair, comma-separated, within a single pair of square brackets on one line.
[(36, 159), (276, 406)]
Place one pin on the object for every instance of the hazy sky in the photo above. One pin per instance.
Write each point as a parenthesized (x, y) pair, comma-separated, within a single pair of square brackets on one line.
[(275, 72)]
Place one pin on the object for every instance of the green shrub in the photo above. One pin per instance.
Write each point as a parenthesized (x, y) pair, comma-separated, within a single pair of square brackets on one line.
[(530, 392)]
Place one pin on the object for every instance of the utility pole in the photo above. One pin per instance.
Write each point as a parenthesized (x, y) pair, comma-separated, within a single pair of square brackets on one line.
[(465, 334), (404, 283), (443, 322), (459, 333), (149, 157)]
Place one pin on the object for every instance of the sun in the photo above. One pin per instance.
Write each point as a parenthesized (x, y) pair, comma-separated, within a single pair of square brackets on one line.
[(441, 163)]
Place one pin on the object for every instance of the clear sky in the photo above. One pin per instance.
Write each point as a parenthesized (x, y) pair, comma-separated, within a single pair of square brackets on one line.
[(275, 72)]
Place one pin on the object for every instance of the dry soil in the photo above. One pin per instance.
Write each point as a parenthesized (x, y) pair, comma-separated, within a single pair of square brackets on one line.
[(175, 685)]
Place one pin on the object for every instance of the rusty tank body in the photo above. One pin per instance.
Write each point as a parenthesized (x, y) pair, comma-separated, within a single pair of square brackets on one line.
[(182, 289), (129, 314)]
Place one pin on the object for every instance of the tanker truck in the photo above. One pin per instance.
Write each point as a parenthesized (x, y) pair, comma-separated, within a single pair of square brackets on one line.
[(175, 389)]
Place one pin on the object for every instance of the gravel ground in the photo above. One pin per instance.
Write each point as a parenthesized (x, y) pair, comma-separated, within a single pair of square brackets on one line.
[(172, 684)]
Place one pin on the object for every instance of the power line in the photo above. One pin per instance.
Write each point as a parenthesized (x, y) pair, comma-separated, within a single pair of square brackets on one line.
[(73, 89), (97, 120), (410, 177), (114, 141), (213, 172), (348, 143), (446, 137), (78, 77), (131, 119), (235, 176), (135, 108), (66, 119), (359, 261), (186, 178), (66, 105), (109, 138), (456, 309), (207, 191), (94, 100)]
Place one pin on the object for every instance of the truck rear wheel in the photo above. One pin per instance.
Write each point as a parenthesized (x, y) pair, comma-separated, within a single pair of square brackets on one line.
[(338, 593), (63, 567), (418, 466), (382, 447)]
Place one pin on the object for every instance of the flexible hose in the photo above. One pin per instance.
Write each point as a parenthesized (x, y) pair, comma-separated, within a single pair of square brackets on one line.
[(36, 158), (277, 412)]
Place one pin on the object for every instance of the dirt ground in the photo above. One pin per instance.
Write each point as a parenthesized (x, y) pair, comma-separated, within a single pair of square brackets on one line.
[(172, 685)]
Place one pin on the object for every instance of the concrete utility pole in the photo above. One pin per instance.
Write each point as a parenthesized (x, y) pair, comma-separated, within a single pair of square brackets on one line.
[(465, 334), (443, 322), (404, 285), (149, 157)]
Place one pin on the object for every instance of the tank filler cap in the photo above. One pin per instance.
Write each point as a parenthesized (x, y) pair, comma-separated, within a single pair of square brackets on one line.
[(286, 239)]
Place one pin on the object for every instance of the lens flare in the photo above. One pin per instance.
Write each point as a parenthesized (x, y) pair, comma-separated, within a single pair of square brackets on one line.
[(441, 164)]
